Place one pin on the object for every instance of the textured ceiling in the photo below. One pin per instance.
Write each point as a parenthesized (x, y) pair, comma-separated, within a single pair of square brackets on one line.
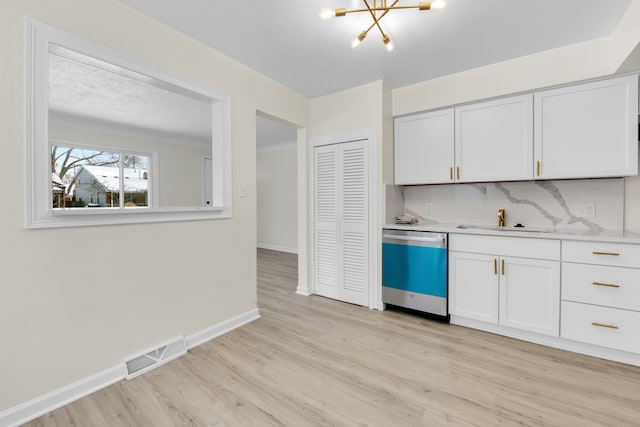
[(102, 97)]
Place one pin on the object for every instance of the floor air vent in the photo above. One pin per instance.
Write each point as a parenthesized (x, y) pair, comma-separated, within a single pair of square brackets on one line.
[(151, 359)]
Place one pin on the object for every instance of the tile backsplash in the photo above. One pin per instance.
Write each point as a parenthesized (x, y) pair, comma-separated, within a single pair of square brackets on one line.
[(590, 204)]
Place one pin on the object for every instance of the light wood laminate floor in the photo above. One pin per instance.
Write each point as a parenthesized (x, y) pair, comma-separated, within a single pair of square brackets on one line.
[(314, 361)]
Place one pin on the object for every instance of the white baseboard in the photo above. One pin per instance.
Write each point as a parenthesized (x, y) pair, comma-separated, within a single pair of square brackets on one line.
[(277, 248), (228, 325), (549, 341), (303, 291), (53, 400)]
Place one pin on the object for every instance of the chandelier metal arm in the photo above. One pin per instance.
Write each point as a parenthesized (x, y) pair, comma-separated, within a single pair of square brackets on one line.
[(420, 6), (375, 18)]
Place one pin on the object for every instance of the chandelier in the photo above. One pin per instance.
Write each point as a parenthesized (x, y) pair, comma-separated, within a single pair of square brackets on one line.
[(379, 9)]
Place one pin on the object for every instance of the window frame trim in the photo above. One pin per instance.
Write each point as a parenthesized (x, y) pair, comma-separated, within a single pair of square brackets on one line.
[(153, 190), (38, 204)]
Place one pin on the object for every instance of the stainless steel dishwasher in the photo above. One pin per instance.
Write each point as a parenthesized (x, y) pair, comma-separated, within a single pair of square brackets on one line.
[(414, 271)]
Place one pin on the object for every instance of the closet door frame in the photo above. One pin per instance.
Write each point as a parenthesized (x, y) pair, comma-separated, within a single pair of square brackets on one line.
[(369, 136)]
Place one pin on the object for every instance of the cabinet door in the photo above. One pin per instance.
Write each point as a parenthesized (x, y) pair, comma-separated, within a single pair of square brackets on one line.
[(423, 148), (473, 286), (588, 130), (494, 140), (530, 295)]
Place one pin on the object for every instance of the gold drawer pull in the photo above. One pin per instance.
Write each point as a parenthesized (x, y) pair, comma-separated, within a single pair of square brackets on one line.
[(457, 172), (604, 325), (503, 267), (606, 253), (538, 168), (609, 285), (451, 173), (495, 266)]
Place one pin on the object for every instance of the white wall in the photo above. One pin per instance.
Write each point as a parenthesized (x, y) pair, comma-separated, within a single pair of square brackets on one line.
[(77, 301), (562, 65), (360, 109), (277, 198)]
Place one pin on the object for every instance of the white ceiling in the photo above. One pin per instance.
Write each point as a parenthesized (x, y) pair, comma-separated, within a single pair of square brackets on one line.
[(288, 42)]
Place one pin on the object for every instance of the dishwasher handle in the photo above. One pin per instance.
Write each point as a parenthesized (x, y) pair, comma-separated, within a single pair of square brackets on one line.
[(413, 238)]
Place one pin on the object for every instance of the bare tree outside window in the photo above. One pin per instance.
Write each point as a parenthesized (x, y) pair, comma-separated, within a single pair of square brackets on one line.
[(84, 177)]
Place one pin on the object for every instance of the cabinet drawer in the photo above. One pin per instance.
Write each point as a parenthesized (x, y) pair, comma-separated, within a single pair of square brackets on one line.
[(603, 326), (511, 246), (616, 254), (602, 285)]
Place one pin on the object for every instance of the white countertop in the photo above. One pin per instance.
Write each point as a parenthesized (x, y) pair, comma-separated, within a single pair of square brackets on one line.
[(618, 236)]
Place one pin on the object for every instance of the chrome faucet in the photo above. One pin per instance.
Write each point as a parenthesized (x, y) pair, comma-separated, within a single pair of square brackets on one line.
[(501, 215)]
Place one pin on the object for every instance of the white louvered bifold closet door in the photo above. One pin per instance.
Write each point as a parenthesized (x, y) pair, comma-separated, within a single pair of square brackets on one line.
[(341, 221), (326, 221)]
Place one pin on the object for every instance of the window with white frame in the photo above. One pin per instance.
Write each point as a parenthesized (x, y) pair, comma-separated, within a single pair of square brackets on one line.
[(158, 145), (93, 177)]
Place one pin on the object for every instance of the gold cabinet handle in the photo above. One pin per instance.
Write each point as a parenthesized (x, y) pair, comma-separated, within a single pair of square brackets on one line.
[(604, 325), (451, 173), (605, 253), (457, 172), (609, 285), (503, 267), (495, 266), (538, 168)]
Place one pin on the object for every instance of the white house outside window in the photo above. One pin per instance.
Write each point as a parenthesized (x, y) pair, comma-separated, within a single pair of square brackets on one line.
[(87, 177)]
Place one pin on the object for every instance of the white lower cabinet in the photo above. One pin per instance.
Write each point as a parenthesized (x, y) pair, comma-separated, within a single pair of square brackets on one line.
[(520, 290), (473, 287), (529, 295), (512, 286), (602, 326), (601, 294)]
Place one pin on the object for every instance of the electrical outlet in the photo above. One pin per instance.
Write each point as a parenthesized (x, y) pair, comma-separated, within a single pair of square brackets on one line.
[(586, 210), (428, 208)]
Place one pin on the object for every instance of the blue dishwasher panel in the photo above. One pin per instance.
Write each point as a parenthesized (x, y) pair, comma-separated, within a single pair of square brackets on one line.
[(419, 269)]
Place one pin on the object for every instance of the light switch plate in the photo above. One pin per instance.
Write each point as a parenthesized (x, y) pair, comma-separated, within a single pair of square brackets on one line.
[(242, 190)]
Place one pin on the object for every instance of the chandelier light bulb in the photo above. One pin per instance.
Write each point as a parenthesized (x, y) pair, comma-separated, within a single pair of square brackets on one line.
[(356, 42), (438, 4), (388, 43), (327, 13)]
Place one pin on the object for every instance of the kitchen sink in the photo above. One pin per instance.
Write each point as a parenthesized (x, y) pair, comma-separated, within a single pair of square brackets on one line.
[(496, 228)]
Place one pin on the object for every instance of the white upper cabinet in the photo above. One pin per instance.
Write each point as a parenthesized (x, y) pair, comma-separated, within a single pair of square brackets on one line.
[(494, 140), (587, 130), (423, 148)]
